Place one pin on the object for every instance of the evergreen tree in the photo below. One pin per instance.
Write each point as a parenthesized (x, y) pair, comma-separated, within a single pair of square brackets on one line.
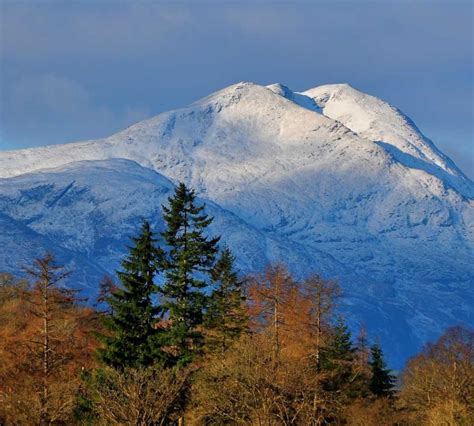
[(339, 347), (135, 339), (381, 381), (226, 318), (337, 357), (189, 261)]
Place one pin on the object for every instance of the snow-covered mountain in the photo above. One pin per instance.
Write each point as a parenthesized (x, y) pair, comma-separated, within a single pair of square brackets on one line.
[(329, 180)]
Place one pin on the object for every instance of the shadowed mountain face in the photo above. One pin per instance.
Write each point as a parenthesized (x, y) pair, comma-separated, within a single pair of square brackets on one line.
[(329, 180)]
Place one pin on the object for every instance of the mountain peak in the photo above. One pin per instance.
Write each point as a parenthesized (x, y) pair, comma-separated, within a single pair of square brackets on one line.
[(280, 89), (330, 180), (298, 98), (290, 117), (376, 120)]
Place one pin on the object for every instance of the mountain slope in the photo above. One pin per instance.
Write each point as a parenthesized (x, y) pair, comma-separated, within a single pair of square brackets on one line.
[(330, 180), (91, 208)]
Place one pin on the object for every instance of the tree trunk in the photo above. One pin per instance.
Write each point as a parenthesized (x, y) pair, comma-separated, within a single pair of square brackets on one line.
[(44, 415), (318, 335)]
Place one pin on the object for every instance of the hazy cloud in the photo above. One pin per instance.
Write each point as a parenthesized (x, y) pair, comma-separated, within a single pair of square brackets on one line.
[(83, 69), (57, 109)]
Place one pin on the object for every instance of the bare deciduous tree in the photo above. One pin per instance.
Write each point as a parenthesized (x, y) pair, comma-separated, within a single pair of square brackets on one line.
[(45, 341), (46, 301), (141, 397), (269, 296), (438, 384), (244, 387), (323, 296)]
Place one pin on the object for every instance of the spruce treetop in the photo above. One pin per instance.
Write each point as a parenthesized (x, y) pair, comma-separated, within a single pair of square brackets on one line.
[(188, 267), (382, 381), (226, 318), (135, 338)]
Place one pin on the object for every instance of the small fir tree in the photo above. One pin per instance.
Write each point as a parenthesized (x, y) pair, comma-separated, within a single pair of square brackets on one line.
[(226, 318), (337, 357), (381, 381), (339, 348), (189, 263), (135, 337)]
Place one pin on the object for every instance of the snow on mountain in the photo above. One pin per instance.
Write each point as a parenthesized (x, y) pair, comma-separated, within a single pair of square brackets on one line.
[(91, 208), (331, 180), (298, 98), (20, 244), (378, 121)]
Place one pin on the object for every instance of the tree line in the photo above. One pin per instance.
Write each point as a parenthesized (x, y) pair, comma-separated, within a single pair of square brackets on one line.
[(182, 339)]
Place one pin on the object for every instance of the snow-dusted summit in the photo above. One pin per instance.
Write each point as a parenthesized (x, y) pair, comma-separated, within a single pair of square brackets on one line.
[(330, 180)]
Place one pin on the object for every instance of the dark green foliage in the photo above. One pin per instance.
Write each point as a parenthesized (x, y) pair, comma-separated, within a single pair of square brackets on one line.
[(226, 318), (189, 262), (381, 381), (339, 348), (337, 358), (135, 339)]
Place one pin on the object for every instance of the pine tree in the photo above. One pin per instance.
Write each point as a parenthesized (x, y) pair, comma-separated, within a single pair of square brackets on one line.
[(226, 318), (135, 338), (189, 262), (337, 357), (339, 347), (382, 381)]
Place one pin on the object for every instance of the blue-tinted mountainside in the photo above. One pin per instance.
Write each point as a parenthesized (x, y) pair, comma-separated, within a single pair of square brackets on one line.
[(329, 180)]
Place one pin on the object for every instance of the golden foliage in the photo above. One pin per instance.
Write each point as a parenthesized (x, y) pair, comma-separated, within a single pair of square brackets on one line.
[(438, 384), (22, 375), (269, 376), (246, 387), (148, 396)]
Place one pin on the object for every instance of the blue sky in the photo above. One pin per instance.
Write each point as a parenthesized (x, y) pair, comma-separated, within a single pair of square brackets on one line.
[(74, 70)]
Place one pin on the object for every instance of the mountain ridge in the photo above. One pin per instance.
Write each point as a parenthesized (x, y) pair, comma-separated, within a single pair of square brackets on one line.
[(376, 206)]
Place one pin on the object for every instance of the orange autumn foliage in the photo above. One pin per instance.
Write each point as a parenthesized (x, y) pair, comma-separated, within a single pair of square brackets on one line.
[(71, 350)]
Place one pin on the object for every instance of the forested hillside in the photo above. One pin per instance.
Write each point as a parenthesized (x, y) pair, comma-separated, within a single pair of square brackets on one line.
[(178, 336)]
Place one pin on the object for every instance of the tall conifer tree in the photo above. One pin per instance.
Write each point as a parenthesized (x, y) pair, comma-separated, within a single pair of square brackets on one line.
[(382, 381), (226, 318), (135, 339), (191, 256)]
